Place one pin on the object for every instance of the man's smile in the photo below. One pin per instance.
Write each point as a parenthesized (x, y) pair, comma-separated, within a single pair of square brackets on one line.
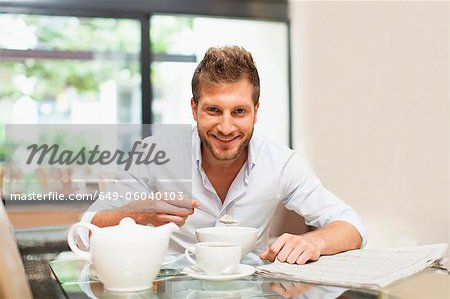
[(223, 139)]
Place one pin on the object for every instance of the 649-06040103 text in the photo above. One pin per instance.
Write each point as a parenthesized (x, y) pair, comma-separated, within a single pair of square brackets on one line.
[(97, 195)]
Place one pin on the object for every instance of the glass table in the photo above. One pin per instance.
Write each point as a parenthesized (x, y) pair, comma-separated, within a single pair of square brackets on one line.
[(78, 280)]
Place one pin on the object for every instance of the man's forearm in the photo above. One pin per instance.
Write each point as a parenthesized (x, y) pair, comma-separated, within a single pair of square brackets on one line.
[(336, 236)]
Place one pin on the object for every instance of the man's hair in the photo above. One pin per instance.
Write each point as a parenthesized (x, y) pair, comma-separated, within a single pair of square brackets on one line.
[(224, 65)]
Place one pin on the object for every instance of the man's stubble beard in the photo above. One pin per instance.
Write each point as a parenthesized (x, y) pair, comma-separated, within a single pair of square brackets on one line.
[(234, 155)]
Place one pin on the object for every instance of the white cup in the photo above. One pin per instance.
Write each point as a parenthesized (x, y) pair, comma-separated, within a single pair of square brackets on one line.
[(246, 236), (215, 257)]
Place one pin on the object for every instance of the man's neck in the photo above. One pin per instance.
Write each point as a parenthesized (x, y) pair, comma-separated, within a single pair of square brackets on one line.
[(221, 174), (211, 163)]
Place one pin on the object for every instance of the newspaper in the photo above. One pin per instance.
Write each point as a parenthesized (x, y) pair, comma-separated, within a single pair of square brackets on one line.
[(364, 268)]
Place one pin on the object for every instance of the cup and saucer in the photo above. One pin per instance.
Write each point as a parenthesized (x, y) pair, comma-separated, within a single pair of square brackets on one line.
[(217, 261)]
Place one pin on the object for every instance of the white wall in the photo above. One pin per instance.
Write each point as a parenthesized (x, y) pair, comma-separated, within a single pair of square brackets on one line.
[(371, 111)]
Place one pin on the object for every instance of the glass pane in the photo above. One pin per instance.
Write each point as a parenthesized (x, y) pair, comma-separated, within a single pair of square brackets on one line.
[(267, 41), (172, 35), (69, 70), (68, 33), (171, 92)]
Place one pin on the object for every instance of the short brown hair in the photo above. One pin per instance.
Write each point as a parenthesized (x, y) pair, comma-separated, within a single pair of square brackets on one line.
[(224, 65)]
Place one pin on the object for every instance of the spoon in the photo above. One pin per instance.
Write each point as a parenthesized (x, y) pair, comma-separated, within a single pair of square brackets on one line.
[(227, 219)]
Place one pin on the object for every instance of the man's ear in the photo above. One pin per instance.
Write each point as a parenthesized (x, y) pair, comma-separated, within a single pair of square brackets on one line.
[(256, 111), (194, 108)]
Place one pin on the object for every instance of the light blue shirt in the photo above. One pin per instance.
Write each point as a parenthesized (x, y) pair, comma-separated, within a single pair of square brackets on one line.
[(271, 175)]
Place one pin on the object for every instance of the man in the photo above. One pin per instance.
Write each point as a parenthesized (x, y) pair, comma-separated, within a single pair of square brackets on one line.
[(244, 175)]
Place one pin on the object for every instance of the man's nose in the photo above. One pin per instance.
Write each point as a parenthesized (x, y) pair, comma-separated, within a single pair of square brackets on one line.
[(226, 125)]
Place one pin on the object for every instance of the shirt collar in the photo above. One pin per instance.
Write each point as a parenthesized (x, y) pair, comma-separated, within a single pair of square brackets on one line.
[(251, 159), (196, 147)]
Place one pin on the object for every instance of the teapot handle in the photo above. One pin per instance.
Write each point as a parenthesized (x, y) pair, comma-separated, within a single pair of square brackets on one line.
[(85, 255)]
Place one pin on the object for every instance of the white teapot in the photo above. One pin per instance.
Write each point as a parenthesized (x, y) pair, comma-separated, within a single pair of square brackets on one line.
[(126, 257)]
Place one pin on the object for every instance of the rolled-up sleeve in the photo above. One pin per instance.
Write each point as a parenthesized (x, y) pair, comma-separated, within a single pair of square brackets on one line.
[(301, 191)]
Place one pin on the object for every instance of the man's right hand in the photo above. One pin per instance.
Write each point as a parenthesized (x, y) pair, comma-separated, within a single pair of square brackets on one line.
[(148, 211), (160, 212)]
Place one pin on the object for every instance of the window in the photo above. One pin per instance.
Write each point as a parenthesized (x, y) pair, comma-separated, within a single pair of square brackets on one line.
[(186, 39), (92, 68)]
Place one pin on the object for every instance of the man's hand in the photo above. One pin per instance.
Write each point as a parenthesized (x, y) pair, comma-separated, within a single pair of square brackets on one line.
[(290, 289), (293, 249), (159, 212), (336, 236), (148, 211)]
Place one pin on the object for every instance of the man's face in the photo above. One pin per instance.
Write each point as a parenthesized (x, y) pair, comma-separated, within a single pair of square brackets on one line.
[(225, 118)]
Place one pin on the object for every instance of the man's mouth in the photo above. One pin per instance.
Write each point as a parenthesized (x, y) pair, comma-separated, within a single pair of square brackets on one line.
[(225, 139)]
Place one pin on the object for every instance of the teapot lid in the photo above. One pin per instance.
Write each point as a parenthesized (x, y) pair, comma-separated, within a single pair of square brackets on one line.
[(127, 221), (127, 226), (128, 235)]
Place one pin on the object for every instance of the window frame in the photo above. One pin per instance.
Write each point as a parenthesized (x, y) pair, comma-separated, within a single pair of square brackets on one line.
[(269, 10)]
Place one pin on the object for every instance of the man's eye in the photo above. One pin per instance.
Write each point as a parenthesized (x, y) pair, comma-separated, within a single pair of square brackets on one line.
[(212, 109), (240, 111)]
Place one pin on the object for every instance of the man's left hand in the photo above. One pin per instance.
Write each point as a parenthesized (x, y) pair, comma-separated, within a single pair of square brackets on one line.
[(293, 249)]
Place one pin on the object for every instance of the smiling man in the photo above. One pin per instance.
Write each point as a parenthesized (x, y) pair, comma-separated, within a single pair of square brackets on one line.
[(243, 175), (247, 176)]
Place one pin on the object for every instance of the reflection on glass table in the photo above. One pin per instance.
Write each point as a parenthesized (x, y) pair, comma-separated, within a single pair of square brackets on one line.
[(78, 280)]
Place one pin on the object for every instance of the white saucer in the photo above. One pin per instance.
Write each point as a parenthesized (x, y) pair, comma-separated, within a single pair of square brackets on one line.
[(242, 271), (169, 259)]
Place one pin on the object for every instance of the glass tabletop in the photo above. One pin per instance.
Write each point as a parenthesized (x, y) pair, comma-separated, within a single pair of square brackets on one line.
[(78, 280)]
